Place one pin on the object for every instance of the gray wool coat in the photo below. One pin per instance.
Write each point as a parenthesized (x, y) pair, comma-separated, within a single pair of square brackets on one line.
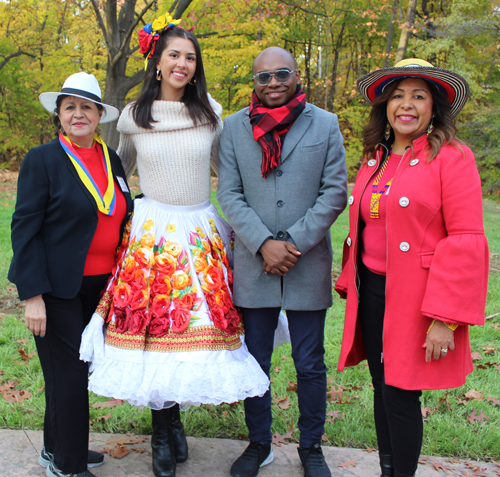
[(300, 199)]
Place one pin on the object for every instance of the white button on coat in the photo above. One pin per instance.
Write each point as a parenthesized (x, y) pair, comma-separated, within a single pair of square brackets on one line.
[(404, 246), (372, 162), (414, 162), (351, 200), (349, 241), (404, 202)]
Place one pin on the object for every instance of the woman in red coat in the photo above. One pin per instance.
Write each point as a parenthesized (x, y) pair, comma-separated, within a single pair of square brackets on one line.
[(416, 259)]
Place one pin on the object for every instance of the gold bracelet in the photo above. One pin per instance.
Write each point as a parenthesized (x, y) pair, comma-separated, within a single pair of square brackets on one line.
[(451, 326)]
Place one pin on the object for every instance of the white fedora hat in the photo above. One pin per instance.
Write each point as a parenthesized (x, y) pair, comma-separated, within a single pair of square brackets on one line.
[(82, 85)]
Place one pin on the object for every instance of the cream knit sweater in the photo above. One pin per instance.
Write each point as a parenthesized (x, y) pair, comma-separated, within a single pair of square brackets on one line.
[(174, 157)]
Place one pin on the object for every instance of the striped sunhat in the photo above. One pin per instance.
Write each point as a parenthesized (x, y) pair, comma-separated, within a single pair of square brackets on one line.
[(452, 84)]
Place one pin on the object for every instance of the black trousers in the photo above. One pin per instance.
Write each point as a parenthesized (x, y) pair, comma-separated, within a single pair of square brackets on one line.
[(398, 417), (66, 424)]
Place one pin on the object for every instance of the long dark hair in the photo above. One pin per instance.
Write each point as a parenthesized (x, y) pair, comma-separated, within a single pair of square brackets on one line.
[(195, 95), (444, 131)]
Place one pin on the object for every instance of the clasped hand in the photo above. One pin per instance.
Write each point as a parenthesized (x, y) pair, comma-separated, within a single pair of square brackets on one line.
[(279, 256)]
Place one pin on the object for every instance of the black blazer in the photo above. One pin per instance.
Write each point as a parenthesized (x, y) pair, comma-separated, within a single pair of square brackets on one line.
[(54, 223)]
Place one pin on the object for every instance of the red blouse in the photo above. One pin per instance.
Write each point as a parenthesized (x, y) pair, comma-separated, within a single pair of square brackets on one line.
[(374, 235), (101, 255)]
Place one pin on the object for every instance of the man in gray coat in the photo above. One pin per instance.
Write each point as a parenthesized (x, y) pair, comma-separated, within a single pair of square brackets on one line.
[(282, 184)]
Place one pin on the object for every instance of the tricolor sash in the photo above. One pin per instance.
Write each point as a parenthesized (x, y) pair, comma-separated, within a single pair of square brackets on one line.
[(106, 204)]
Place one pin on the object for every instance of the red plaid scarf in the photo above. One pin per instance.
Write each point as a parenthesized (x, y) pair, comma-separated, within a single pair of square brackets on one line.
[(268, 124)]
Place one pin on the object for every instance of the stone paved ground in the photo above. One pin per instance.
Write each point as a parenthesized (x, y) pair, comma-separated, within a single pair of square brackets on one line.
[(213, 458)]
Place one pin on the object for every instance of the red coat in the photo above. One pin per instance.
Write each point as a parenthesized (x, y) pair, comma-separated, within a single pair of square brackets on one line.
[(437, 265)]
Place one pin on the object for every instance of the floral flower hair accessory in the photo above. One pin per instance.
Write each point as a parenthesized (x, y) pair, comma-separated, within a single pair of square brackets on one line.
[(149, 34)]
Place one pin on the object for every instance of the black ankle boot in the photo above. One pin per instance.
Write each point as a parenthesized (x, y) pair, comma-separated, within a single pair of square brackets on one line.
[(162, 444), (179, 437), (386, 465)]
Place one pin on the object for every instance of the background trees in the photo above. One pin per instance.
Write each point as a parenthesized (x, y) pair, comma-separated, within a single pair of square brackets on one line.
[(334, 41)]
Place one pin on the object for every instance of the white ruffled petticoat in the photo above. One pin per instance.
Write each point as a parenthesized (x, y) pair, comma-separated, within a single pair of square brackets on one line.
[(173, 333)]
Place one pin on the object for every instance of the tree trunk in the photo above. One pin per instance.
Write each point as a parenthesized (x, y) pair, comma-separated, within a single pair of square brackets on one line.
[(307, 61), (405, 32), (118, 31), (337, 48), (429, 25), (388, 47)]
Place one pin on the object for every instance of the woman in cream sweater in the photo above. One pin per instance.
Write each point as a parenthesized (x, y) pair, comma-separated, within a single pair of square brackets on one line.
[(173, 335)]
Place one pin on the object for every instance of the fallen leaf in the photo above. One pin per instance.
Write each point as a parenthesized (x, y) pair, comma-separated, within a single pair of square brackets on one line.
[(8, 386), (441, 466), (2, 372), (25, 356), (472, 417), (104, 418), (474, 395), (91, 422), (107, 404), (278, 439), (489, 349), (335, 393), (495, 401), (139, 450), (16, 396), (454, 461), (480, 366), (284, 404), (347, 463), (423, 460), (276, 369), (462, 401), (291, 386), (325, 437), (118, 451), (24, 341), (334, 415), (476, 355), (426, 411), (369, 450)]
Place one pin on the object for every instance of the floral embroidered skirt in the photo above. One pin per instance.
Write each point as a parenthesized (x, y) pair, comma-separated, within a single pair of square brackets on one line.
[(166, 330)]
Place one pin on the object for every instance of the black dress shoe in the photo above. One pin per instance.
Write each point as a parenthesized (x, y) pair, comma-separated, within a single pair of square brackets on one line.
[(178, 435), (313, 461), (162, 444), (256, 455)]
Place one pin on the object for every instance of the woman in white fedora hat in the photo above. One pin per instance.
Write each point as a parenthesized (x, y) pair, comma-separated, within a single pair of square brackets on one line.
[(416, 259), (72, 206)]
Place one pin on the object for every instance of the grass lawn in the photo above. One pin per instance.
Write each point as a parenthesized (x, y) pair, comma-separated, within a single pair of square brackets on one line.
[(447, 429)]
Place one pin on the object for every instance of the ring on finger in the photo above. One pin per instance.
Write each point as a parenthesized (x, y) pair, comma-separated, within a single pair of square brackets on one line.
[(444, 350)]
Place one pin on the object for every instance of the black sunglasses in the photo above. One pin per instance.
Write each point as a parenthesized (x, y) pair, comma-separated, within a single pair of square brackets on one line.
[(264, 78)]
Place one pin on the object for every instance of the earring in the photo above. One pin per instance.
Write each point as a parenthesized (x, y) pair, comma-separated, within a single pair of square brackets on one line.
[(387, 131), (430, 127), (192, 81), (158, 75)]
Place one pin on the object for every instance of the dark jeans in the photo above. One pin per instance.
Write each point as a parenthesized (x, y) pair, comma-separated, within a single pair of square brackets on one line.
[(398, 417), (307, 335), (66, 424)]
